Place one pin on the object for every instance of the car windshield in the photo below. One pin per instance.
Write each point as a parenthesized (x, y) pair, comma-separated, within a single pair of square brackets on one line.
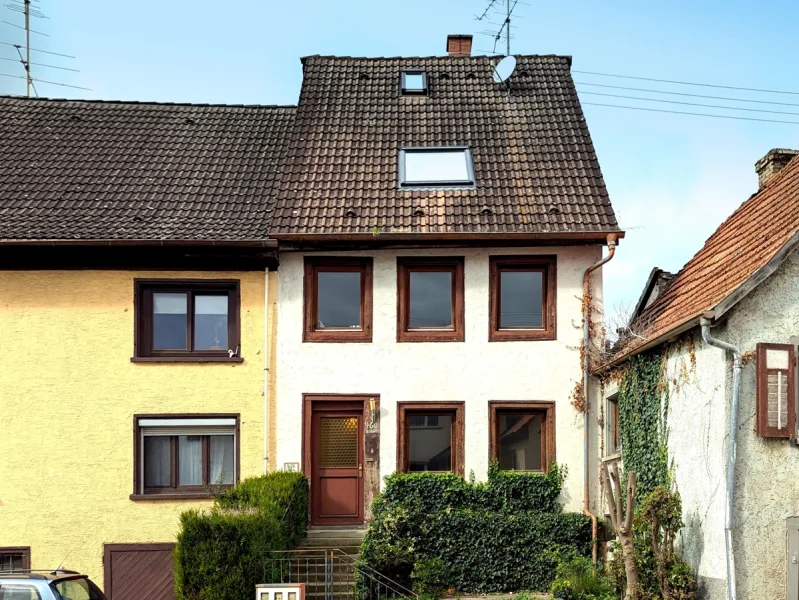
[(78, 589)]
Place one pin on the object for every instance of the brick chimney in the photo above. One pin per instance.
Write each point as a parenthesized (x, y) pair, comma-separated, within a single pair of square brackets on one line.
[(459, 45), (771, 164)]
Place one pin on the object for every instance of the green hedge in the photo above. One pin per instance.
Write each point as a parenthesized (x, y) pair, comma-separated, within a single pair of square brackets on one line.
[(504, 490), (507, 534), (222, 553)]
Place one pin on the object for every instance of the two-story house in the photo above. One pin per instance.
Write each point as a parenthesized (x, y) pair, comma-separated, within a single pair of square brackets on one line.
[(435, 229), (390, 276), (136, 293)]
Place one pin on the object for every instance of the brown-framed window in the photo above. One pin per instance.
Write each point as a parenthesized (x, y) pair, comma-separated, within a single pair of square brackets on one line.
[(184, 455), (776, 412), (522, 298), (522, 435), (612, 440), (430, 299), (189, 319), (430, 437), (337, 299), (15, 558)]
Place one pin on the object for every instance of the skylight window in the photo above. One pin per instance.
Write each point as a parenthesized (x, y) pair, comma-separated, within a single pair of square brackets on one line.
[(413, 82), (436, 167)]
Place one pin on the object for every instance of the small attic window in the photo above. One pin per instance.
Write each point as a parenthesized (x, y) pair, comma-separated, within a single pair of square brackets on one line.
[(413, 82), (436, 167)]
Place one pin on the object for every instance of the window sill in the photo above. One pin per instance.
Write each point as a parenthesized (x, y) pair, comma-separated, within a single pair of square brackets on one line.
[(429, 336), (521, 335), (316, 337), (612, 457), (186, 359), (194, 496)]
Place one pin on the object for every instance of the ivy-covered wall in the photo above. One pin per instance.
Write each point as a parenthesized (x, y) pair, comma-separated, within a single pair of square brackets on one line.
[(643, 401)]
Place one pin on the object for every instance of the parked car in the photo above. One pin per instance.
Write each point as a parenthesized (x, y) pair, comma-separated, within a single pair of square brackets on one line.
[(48, 585)]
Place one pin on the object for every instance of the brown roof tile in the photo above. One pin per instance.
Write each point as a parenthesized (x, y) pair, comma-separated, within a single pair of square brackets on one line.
[(535, 164), (78, 170), (747, 241)]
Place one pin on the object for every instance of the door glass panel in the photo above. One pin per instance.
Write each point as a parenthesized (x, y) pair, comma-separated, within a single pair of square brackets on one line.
[(169, 321), (431, 300), (210, 322), (338, 442), (521, 300), (430, 446), (520, 442)]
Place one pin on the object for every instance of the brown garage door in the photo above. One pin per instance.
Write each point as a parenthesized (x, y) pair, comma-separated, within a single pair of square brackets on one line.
[(137, 571)]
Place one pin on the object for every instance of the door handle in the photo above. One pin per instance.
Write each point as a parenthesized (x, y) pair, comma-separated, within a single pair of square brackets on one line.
[(360, 471)]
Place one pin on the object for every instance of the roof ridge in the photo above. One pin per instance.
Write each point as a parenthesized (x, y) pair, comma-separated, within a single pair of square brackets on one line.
[(437, 57), (141, 102)]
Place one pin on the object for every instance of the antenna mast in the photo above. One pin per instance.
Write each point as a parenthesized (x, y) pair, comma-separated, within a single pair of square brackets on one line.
[(505, 26), (28, 10), (28, 48)]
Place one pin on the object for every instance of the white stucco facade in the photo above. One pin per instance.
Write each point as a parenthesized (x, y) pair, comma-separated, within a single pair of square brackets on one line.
[(767, 487), (474, 371)]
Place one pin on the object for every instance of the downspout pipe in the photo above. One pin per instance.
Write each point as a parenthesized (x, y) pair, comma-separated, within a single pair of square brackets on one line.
[(266, 370), (736, 397), (612, 240)]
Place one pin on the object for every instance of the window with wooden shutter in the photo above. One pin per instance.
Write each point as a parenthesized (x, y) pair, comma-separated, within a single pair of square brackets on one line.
[(775, 390)]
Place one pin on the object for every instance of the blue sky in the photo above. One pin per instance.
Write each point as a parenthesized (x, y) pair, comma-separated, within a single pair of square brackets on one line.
[(672, 178)]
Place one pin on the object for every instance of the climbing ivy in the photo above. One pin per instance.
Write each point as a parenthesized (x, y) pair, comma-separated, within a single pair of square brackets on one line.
[(643, 406)]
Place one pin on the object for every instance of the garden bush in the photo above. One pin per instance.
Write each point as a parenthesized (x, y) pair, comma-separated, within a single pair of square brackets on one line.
[(506, 534), (223, 552), (579, 579)]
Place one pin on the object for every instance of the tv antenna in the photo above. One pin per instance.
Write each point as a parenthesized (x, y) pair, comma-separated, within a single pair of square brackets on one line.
[(31, 9), (505, 14)]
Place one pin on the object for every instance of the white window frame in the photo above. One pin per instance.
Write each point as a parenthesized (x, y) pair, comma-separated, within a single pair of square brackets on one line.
[(407, 91), (469, 182)]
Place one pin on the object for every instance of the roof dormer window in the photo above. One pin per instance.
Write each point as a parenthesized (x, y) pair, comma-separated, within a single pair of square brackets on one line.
[(436, 167), (413, 82)]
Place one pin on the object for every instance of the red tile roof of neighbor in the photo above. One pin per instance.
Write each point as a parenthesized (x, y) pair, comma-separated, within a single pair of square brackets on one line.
[(534, 162), (745, 248), (88, 170)]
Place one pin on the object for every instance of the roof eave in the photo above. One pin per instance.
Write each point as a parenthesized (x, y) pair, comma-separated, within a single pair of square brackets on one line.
[(264, 243), (716, 312), (416, 237)]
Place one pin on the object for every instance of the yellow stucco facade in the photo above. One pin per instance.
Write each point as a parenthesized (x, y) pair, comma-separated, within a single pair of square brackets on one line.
[(68, 393)]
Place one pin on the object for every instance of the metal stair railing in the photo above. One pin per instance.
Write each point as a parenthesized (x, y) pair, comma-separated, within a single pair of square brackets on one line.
[(332, 574)]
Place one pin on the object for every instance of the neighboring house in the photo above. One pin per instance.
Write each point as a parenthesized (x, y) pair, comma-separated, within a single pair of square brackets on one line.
[(133, 274), (740, 289), (435, 228), (434, 231)]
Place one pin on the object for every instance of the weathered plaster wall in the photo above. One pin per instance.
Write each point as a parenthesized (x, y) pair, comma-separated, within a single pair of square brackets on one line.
[(768, 486), (68, 393), (698, 430), (767, 490), (474, 371)]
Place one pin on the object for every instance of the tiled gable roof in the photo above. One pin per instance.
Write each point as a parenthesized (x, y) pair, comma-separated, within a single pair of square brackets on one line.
[(745, 244), (79, 170), (534, 162)]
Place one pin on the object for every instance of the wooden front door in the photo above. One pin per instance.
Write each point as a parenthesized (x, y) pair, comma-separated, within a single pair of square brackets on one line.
[(337, 463)]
